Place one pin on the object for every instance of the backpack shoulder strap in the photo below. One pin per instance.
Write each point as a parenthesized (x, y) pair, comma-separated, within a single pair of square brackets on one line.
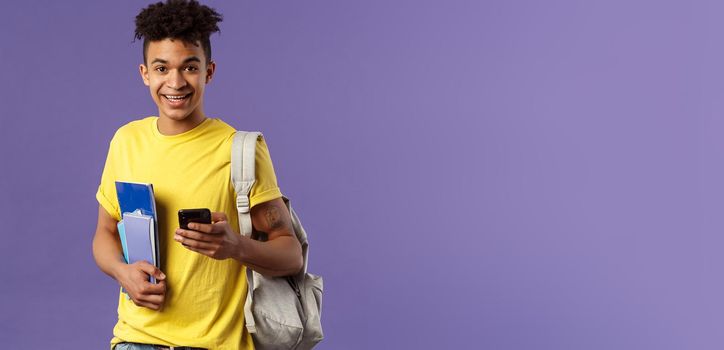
[(243, 176)]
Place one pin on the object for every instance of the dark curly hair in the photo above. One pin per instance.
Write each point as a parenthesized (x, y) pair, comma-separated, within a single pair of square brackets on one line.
[(178, 19)]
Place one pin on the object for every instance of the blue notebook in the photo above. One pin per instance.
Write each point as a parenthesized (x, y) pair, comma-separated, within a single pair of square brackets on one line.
[(122, 233), (139, 225), (140, 238), (133, 196)]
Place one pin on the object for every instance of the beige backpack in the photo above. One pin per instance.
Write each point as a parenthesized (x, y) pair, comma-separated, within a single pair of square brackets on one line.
[(280, 312)]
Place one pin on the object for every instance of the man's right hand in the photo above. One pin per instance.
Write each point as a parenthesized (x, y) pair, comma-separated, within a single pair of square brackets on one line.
[(134, 279)]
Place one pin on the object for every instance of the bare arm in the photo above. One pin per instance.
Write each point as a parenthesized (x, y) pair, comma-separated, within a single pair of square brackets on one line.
[(280, 255), (106, 244), (108, 254)]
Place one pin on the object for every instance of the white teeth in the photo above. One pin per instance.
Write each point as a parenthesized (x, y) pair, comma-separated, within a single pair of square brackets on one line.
[(175, 97)]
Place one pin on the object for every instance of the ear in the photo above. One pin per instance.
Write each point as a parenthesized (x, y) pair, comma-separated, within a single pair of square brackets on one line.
[(144, 74), (210, 69)]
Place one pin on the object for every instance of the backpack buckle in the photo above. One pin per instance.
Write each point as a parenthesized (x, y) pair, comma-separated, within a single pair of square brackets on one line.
[(242, 204)]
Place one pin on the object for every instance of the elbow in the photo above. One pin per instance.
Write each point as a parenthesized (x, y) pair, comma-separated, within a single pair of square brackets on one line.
[(290, 270), (290, 262), (297, 263)]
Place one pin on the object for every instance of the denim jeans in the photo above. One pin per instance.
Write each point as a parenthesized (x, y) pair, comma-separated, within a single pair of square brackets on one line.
[(133, 346)]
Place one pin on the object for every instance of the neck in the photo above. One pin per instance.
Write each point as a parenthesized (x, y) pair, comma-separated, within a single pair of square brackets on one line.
[(170, 127)]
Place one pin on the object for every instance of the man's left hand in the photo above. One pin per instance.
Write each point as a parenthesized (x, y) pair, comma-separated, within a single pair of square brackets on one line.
[(216, 240)]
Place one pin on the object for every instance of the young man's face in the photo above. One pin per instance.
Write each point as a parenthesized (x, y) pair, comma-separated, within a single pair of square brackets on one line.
[(176, 73)]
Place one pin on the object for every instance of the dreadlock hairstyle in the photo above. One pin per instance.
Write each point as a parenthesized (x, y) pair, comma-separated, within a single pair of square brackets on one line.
[(178, 19)]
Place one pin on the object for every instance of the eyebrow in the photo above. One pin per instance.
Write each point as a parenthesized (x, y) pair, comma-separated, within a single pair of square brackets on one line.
[(190, 59)]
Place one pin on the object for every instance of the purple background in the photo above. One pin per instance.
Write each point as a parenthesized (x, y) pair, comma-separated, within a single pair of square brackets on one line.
[(493, 175)]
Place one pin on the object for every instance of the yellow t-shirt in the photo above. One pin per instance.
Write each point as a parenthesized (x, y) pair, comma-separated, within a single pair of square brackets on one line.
[(204, 305)]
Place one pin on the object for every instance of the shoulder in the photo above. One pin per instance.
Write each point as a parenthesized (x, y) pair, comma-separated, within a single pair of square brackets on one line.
[(218, 123), (220, 130), (132, 129), (229, 132)]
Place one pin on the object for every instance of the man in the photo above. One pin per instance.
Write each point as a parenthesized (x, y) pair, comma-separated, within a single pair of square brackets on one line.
[(199, 298)]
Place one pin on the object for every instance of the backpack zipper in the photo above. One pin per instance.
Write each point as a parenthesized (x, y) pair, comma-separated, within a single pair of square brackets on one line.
[(294, 286)]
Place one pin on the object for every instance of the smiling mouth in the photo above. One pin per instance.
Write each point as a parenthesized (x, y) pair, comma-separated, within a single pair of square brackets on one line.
[(176, 99)]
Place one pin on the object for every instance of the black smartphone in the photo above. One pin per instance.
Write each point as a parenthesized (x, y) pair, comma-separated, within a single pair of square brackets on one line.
[(202, 216)]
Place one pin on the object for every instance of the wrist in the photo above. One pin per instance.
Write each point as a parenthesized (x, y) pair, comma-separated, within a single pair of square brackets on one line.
[(239, 249), (115, 269)]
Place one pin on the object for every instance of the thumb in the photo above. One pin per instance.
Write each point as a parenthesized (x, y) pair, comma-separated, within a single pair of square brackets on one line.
[(218, 216), (151, 270)]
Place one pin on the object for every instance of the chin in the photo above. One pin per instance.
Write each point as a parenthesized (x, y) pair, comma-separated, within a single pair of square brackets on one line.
[(176, 114)]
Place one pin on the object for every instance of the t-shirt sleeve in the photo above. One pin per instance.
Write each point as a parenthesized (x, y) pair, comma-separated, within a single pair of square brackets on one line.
[(106, 194), (265, 188)]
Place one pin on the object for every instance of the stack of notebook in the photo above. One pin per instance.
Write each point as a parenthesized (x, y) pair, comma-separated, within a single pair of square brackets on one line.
[(138, 228)]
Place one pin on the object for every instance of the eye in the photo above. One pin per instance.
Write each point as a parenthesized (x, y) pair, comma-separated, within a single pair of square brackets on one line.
[(192, 68), (160, 69)]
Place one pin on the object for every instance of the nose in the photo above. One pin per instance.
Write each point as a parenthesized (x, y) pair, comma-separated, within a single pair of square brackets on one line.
[(175, 80)]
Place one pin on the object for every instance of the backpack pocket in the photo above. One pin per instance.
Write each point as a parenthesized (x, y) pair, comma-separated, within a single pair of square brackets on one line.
[(313, 290), (275, 335), (276, 313)]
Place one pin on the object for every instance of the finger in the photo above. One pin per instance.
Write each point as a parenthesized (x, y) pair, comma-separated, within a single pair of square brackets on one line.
[(192, 243), (155, 299), (198, 236), (146, 304), (150, 270), (218, 216), (154, 288), (150, 305), (200, 251), (204, 228)]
